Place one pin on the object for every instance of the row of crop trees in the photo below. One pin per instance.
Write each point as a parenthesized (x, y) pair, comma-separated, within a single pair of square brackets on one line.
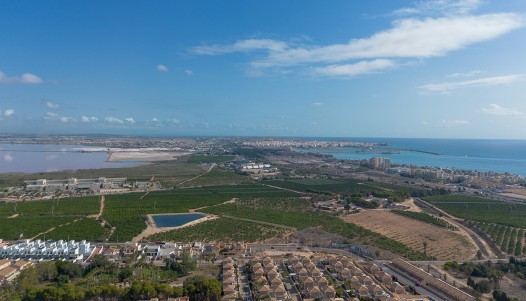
[(509, 239)]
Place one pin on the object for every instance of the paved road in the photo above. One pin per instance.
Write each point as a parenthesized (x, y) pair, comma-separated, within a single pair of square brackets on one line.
[(402, 278)]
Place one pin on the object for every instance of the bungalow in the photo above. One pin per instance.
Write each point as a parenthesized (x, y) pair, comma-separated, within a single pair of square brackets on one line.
[(315, 293), (260, 280), (376, 290), (275, 283), (303, 274), (280, 292), (266, 260), (305, 260), (229, 291), (371, 268), (316, 274), (355, 282), (259, 272), (396, 288), (356, 271), (298, 266), (265, 289), (293, 260), (228, 266), (323, 283), (310, 266), (383, 277), (272, 274), (228, 273), (256, 266), (363, 291), (308, 283), (269, 267), (345, 273), (338, 266), (330, 292)]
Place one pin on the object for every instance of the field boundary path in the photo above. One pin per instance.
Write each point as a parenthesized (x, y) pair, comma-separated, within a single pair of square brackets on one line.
[(282, 188), (479, 241), (53, 228), (198, 176), (259, 222)]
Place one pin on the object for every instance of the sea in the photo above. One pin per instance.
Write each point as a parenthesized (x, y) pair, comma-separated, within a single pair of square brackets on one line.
[(468, 154), (32, 158)]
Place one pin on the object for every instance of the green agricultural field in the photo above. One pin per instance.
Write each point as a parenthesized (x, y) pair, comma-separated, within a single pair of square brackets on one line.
[(250, 191), (209, 159), (127, 212), (33, 217), (67, 206), (85, 228), (345, 187), (299, 216), (509, 239), (482, 209), (221, 229), (27, 227), (216, 177)]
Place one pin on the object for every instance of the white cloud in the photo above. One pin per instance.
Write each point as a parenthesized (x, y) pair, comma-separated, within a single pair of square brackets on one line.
[(241, 46), (113, 120), (317, 104), (87, 119), (446, 7), (8, 157), (363, 67), (188, 72), (452, 123), (51, 116), (52, 105), (465, 74), (174, 121), (129, 120), (162, 68), (407, 38), (26, 78), (65, 119), (9, 113), (495, 109), (447, 87)]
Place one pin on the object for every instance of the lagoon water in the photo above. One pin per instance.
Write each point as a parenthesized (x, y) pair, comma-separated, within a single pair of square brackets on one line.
[(175, 220), (46, 158), (473, 154)]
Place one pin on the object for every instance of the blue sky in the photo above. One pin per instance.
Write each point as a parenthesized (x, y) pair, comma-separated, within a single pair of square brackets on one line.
[(439, 68)]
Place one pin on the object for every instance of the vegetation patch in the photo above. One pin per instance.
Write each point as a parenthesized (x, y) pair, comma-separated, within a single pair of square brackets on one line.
[(85, 228), (425, 217), (482, 209), (221, 229)]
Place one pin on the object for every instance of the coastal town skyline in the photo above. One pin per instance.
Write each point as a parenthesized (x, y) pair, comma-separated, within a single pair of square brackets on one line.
[(437, 69)]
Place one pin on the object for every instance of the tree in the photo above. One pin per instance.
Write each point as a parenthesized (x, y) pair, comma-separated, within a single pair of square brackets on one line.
[(424, 243), (47, 271)]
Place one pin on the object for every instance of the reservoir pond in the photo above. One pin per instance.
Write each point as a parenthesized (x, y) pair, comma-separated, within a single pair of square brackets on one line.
[(175, 220)]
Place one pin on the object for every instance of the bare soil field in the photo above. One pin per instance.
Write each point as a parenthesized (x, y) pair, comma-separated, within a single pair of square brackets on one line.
[(513, 286), (441, 243)]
